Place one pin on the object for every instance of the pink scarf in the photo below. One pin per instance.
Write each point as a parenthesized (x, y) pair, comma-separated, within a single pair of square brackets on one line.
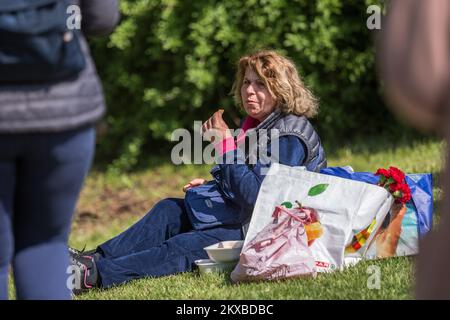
[(228, 144)]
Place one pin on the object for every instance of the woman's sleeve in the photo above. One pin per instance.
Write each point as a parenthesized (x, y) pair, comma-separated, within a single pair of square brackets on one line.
[(241, 184)]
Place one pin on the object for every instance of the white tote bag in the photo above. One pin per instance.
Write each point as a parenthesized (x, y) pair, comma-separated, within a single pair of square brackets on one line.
[(345, 208)]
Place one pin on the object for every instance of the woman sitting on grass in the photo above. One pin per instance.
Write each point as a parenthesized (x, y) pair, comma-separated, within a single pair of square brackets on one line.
[(172, 235)]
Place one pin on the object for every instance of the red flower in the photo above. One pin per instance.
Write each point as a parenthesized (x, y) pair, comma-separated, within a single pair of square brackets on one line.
[(406, 197), (403, 187), (394, 181), (406, 193), (393, 187), (383, 172), (397, 174)]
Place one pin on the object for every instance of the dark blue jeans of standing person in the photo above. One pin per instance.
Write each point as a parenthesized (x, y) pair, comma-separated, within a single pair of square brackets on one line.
[(41, 175), (161, 243)]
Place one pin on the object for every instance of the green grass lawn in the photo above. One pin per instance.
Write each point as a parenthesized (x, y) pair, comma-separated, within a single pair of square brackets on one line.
[(108, 204), (396, 279)]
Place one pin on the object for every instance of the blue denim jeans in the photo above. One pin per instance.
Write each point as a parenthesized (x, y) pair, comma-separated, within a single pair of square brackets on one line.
[(161, 243), (41, 175)]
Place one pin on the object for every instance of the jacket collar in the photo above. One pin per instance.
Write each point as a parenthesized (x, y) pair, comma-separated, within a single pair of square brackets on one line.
[(270, 121)]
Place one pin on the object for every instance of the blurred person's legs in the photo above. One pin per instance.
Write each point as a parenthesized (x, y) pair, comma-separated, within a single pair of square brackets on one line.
[(49, 172), (7, 180), (433, 267), (414, 65)]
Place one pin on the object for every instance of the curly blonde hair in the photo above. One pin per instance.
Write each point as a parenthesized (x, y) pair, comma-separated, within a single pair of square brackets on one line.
[(281, 78)]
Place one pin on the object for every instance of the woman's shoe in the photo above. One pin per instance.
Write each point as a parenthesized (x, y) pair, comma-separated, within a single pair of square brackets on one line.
[(74, 251), (84, 275)]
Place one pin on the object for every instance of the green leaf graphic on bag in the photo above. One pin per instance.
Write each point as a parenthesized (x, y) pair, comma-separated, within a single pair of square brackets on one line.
[(318, 189), (287, 204)]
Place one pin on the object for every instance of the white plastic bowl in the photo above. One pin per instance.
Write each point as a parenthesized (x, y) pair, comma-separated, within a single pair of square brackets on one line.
[(225, 251), (208, 266)]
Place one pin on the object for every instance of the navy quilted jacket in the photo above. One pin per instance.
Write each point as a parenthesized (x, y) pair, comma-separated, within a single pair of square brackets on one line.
[(68, 104)]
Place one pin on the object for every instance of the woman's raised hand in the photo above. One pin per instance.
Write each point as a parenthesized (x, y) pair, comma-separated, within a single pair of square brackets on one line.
[(194, 183), (216, 127)]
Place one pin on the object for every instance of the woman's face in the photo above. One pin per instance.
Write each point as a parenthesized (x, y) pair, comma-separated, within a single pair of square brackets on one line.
[(256, 98)]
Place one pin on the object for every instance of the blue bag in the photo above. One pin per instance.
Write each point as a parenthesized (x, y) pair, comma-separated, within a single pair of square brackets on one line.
[(207, 208), (421, 185)]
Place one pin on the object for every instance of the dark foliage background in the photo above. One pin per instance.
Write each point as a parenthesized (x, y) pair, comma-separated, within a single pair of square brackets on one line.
[(171, 62)]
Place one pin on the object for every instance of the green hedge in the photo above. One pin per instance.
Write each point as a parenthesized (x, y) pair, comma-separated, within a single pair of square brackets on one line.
[(171, 62)]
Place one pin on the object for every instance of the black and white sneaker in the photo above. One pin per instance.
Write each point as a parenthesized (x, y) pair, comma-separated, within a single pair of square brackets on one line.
[(83, 251), (74, 253), (84, 273)]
